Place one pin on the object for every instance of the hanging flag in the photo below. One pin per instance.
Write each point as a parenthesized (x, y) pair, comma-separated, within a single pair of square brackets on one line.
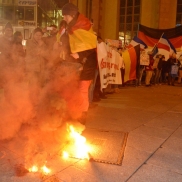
[(131, 59), (165, 47), (135, 41), (151, 36)]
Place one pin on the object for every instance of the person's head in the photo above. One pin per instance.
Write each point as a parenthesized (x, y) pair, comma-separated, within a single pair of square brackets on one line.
[(37, 34), (163, 57), (62, 24), (69, 11), (173, 55), (8, 30), (17, 37), (53, 30), (160, 55)]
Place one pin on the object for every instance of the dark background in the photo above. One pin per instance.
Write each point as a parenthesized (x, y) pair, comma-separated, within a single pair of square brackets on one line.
[(61, 3)]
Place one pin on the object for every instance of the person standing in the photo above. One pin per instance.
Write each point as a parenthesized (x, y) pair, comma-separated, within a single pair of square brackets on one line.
[(149, 70), (144, 61), (6, 44), (6, 41), (35, 63), (180, 69), (82, 43), (173, 71)]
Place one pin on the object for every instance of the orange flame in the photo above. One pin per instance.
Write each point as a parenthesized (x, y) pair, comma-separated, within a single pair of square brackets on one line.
[(80, 148), (43, 169)]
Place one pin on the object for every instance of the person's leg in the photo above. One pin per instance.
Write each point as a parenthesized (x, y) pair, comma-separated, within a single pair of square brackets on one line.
[(179, 76), (156, 80), (92, 87), (140, 76), (169, 78), (147, 78), (84, 99)]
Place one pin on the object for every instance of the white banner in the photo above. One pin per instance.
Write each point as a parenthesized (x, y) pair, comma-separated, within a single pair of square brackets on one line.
[(27, 2), (110, 63)]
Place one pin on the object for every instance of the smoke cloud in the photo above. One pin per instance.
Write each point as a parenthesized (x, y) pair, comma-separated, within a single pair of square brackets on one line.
[(33, 116)]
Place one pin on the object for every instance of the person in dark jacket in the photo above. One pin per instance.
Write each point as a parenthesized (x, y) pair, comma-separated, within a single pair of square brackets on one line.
[(173, 69), (159, 69), (81, 42), (149, 70)]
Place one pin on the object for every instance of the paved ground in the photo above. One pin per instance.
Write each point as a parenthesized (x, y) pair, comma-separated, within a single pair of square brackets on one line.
[(153, 118)]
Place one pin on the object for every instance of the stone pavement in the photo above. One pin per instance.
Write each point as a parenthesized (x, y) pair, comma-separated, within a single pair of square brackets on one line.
[(153, 118)]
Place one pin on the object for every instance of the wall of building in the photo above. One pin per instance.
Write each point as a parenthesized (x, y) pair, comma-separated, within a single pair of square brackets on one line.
[(106, 15), (149, 13), (158, 13), (167, 12), (109, 23)]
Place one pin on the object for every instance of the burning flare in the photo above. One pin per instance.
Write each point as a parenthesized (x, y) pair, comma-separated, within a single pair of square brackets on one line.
[(43, 170), (78, 145)]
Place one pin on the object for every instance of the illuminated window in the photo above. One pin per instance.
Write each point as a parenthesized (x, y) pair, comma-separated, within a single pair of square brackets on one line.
[(29, 13), (129, 19), (179, 13), (8, 12), (19, 13)]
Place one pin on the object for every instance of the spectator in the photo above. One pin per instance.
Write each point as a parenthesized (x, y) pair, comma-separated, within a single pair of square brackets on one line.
[(18, 50), (173, 71), (180, 69), (149, 70), (159, 69), (18, 56), (6, 44), (36, 63), (6, 41), (144, 60)]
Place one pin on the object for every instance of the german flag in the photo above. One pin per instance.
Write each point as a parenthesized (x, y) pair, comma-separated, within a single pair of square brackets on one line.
[(81, 35), (151, 36), (131, 59)]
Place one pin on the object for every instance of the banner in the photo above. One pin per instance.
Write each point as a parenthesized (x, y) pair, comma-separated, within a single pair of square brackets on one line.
[(151, 36), (110, 63), (114, 43), (132, 63)]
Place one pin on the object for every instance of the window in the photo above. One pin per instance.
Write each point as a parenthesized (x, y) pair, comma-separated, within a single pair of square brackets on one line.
[(29, 13), (1, 12), (8, 12), (179, 12), (19, 13), (129, 21)]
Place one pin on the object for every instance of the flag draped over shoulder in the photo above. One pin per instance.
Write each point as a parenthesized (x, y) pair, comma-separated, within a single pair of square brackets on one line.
[(165, 47), (135, 41), (81, 35), (131, 59), (151, 36)]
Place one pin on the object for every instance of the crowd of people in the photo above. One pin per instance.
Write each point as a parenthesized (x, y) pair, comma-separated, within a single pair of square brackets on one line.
[(69, 52), (159, 70)]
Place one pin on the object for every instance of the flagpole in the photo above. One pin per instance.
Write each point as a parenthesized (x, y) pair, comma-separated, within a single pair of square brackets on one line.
[(158, 41), (160, 37)]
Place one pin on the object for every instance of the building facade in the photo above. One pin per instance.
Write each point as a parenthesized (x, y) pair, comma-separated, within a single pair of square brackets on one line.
[(119, 19), (25, 15)]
